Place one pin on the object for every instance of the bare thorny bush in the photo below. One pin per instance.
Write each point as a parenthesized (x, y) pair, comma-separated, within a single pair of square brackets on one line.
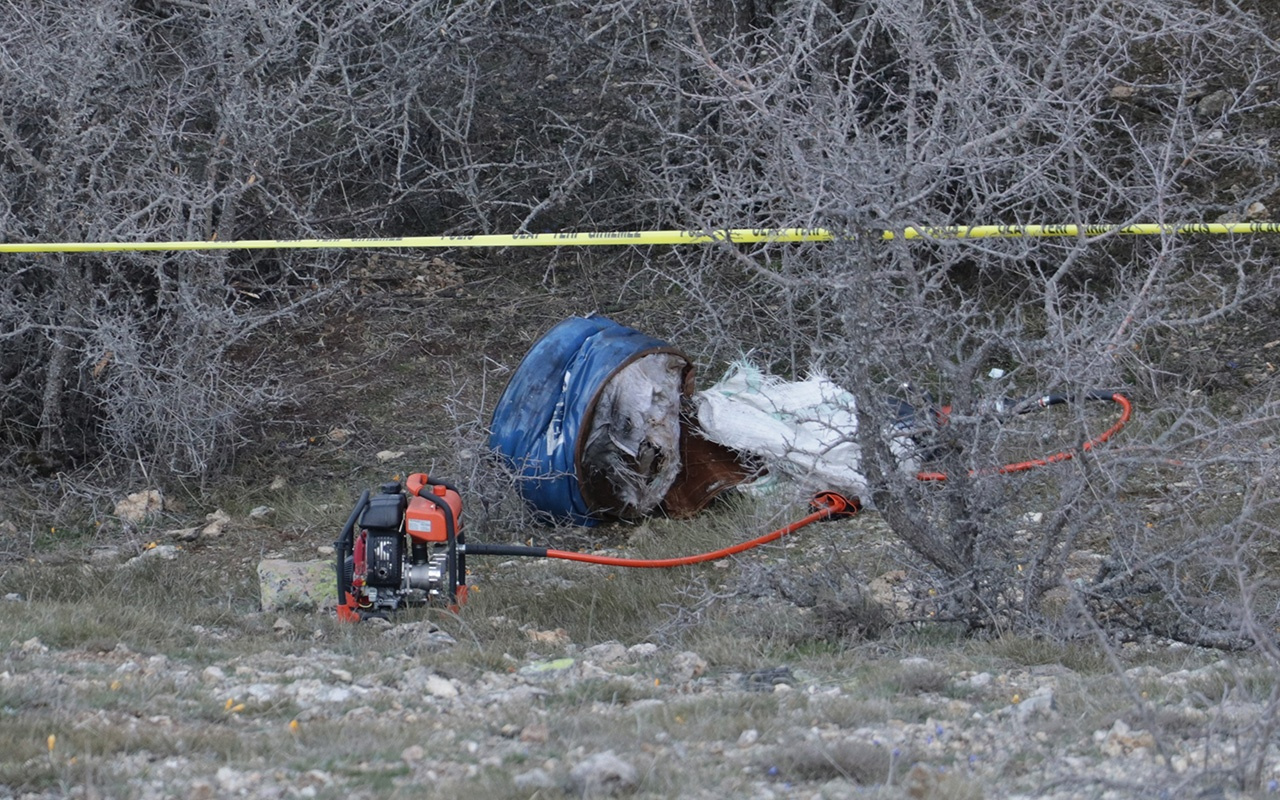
[(195, 120), (878, 116), (159, 120)]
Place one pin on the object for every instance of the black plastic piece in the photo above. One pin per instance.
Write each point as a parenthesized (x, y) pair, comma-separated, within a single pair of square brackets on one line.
[(384, 512)]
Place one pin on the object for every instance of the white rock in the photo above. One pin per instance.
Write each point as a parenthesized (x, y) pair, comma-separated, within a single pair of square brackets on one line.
[(642, 650), (413, 754), (980, 680), (164, 552), (214, 523), (602, 774), (262, 512), (534, 780), (606, 653), (1039, 704), (441, 687), (389, 455), (687, 665), (263, 692)]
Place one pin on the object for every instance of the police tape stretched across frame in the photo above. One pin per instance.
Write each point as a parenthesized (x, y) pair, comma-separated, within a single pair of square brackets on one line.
[(665, 237)]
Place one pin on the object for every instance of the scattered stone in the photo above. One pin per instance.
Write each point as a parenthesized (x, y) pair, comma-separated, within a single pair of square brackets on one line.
[(921, 782), (164, 552), (183, 534), (535, 733), (201, 790), (1257, 210), (34, 645), (892, 591), (642, 650), (441, 687), (302, 585), (278, 483), (1121, 741), (105, 555), (1039, 704), (534, 780), (282, 626), (748, 737), (213, 674), (137, 506), (686, 666), (1215, 104), (262, 513), (8, 529), (602, 774), (339, 435), (214, 523), (606, 653), (413, 754), (389, 455), (979, 681), (14, 597), (263, 693)]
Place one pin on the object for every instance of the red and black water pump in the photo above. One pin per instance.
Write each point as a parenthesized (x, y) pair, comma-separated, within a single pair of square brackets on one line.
[(401, 545), (405, 546)]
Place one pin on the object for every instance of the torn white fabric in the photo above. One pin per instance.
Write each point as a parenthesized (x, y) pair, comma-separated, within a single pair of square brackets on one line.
[(805, 430)]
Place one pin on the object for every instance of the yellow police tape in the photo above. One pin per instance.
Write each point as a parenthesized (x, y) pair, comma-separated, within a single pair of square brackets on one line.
[(671, 237)]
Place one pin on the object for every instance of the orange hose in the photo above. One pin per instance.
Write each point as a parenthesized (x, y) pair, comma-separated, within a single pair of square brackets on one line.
[(829, 504), (1126, 411)]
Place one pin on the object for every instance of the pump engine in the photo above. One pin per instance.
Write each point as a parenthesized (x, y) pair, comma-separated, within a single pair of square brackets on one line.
[(401, 546)]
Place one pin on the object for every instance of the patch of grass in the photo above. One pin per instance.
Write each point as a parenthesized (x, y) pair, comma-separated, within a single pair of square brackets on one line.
[(150, 607), (1028, 651), (95, 746), (848, 711), (611, 691), (864, 763), (914, 679)]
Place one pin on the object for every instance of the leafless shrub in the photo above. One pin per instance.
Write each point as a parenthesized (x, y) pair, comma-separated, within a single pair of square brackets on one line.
[(163, 120), (881, 116)]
